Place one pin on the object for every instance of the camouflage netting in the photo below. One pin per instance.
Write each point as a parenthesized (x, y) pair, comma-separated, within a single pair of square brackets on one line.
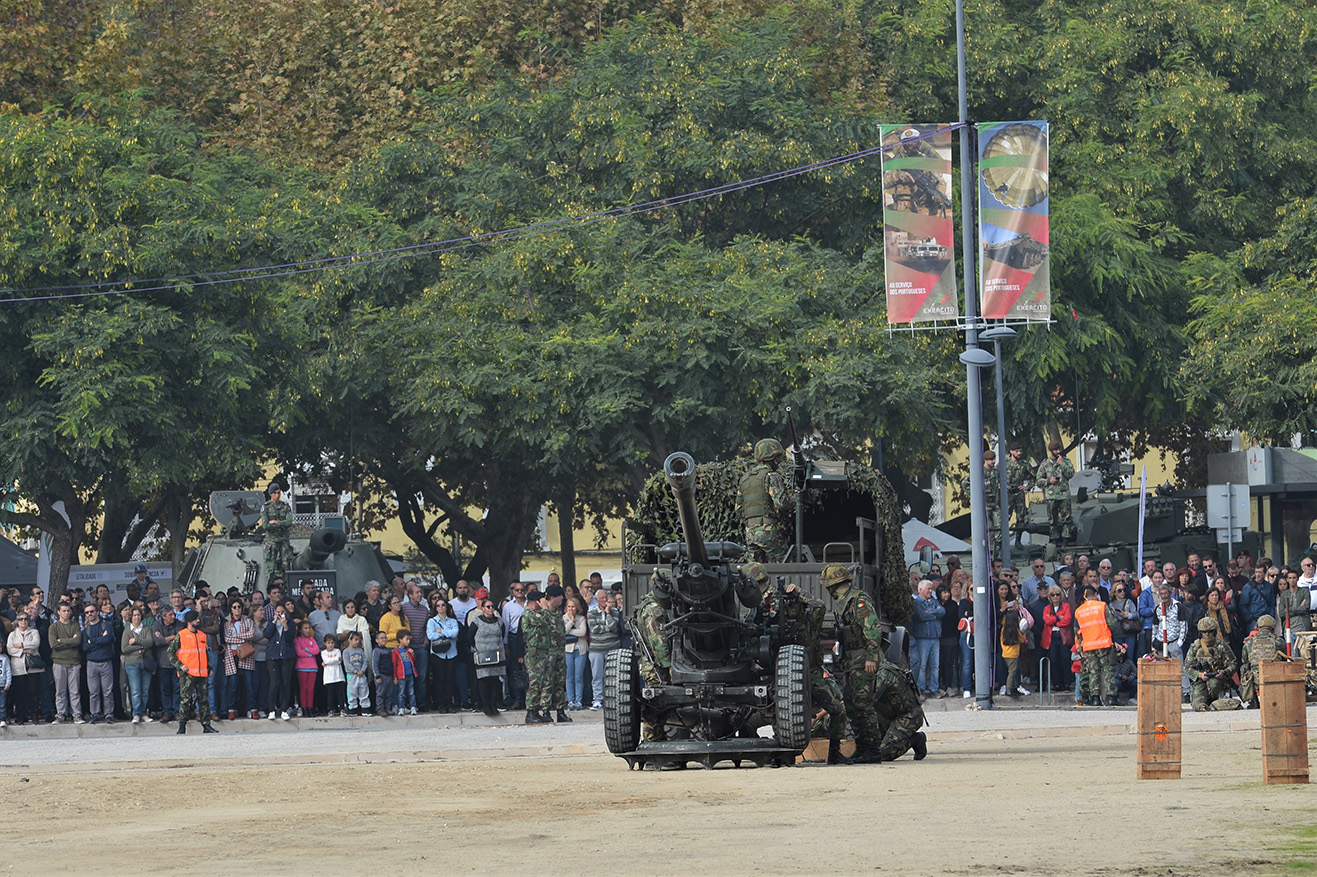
[(716, 486)]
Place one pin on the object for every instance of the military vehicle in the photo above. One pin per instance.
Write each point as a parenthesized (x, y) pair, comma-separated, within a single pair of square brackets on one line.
[(728, 677), (1107, 525), (330, 558), (845, 513), (1304, 649)]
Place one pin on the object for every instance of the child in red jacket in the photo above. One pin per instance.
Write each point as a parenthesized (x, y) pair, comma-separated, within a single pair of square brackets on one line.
[(404, 674)]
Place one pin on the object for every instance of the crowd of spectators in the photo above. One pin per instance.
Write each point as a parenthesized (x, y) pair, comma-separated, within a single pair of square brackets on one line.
[(406, 648), (1035, 634), (394, 649)]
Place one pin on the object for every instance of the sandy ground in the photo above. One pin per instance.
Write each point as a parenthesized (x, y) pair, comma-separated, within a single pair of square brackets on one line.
[(983, 802)]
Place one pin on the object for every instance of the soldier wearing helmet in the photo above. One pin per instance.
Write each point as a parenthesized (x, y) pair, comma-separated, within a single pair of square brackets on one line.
[(1261, 645), (1209, 666), (764, 496), (799, 619), (759, 574), (860, 639)]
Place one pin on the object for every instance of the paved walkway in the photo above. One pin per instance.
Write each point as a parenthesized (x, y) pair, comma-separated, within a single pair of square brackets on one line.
[(469, 736)]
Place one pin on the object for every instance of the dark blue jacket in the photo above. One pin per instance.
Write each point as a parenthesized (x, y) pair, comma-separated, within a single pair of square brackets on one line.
[(279, 646), (98, 641), (1255, 601), (926, 622)]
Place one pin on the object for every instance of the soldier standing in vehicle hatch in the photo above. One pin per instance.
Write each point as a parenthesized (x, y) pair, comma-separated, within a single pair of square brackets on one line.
[(765, 494), (275, 525)]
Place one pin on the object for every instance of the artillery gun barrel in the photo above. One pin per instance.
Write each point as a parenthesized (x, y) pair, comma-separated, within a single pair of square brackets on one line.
[(679, 470)]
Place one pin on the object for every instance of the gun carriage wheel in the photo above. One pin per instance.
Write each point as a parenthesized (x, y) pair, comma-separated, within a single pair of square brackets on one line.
[(792, 719), (621, 701)]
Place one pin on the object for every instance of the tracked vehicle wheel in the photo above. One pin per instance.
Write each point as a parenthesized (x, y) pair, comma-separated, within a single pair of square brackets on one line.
[(621, 701), (791, 712)]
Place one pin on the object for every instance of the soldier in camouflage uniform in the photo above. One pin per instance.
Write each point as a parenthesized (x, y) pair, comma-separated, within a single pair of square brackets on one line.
[(900, 716), (764, 496), (1054, 480), (1209, 666), (1019, 478), (992, 484), (861, 643), (546, 656), (275, 525), (800, 622), (650, 618), (1261, 646), (194, 690)]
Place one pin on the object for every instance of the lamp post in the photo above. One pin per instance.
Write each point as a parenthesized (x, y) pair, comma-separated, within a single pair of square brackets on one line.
[(974, 358), (998, 334)]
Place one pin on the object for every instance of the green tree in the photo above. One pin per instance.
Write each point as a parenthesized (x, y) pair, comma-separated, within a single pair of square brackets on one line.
[(1253, 353), (1177, 128), (131, 403), (572, 362)]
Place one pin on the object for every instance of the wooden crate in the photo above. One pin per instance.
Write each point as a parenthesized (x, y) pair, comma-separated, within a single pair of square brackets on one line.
[(1284, 723), (818, 750), (1158, 754)]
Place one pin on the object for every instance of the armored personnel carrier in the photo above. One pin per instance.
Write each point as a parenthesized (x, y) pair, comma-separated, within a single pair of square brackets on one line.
[(330, 558)]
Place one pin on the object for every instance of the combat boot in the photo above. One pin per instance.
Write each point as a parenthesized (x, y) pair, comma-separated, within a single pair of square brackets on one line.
[(920, 745), (868, 756), (207, 729), (834, 753), (182, 727), (563, 717), (532, 717)]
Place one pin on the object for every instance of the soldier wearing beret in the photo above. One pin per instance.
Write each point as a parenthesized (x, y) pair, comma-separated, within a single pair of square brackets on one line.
[(276, 525)]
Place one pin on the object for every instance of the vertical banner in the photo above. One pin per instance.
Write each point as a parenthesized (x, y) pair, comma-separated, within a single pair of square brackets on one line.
[(917, 241), (1014, 271)]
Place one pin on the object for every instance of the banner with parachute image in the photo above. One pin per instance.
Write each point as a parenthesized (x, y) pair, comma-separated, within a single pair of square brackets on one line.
[(1014, 265), (917, 224)]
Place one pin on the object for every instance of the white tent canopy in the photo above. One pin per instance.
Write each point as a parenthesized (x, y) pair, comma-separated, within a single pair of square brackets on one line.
[(916, 534)]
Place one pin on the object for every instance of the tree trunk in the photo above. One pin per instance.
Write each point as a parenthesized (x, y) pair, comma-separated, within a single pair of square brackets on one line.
[(500, 537), (1051, 433), (508, 528), (65, 538), (116, 519), (62, 551), (177, 513), (566, 509), (412, 517), (125, 523)]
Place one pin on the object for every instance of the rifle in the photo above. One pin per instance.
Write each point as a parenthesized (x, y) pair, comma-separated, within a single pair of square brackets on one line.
[(639, 640), (797, 455)]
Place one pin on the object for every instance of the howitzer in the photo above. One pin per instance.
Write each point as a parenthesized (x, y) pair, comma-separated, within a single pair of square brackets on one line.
[(726, 677), (704, 592)]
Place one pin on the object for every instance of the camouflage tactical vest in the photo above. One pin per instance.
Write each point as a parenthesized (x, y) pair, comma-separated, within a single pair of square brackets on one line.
[(1263, 649), (755, 502), (849, 631)]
